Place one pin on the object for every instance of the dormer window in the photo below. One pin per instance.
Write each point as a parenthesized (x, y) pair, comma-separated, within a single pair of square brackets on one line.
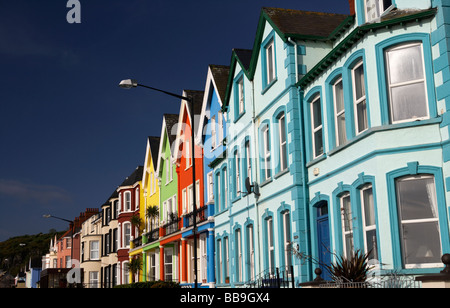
[(375, 8)]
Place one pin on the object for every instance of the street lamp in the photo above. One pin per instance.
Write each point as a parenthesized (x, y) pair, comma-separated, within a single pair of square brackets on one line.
[(132, 83), (72, 231)]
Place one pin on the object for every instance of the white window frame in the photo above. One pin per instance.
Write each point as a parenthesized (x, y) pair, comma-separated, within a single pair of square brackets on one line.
[(238, 250), (407, 83), (93, 280), (315, 130), (237, 173), (220, 126), (126, 235), (270, 62), (283, 142), (287, 239), (346, 220), (184, 200), (339, 113), (361, 100), (249, 160), (94, 250), (368, 228), (241, 96), (418, 221), (379, 8), (127, 203), (210, 188), (251, 252), (266, 151), (225, 189), (213, 133), (270, 245)]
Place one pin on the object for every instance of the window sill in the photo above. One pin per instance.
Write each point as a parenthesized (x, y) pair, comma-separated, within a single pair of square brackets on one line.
[(281, 173), (239, 116), (382, 128), (267, 181), (269, 85)]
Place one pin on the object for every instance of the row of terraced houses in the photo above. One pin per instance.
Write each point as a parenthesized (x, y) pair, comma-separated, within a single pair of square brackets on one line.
[(330, 135)]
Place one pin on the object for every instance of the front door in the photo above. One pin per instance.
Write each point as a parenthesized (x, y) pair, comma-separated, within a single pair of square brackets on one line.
[(323, 240)]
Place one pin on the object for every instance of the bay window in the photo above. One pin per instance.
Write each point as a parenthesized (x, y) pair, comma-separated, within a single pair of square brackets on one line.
[(418, 221), (406, 83)]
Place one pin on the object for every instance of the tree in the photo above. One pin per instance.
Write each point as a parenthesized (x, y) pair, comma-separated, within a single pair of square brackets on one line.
[(134, 266), (152, 213)]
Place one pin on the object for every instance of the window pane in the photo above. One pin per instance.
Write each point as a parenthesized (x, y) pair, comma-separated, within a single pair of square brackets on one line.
[(361, 110), (371, 240), (347, 213), (360, 88), (369, 210), (339, 93), (421, 243), (342, 136), (317, 114), (417, 198), (409, 102), (406, 64), (318, 143)]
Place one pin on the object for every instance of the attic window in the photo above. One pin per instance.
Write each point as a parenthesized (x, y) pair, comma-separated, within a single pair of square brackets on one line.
[(375, 8)]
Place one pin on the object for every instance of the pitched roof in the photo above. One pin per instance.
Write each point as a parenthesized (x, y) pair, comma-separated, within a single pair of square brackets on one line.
[(197, 97), (304, 23), (244, 56), (154, 148), (171, 122), (220, 75), (133, 178)]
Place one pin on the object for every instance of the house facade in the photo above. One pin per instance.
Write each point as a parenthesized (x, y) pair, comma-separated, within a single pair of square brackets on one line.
[(170, 222), (150, 240), (212, 135), (129, 201), (376, 134), (109, 241), (91, 251)]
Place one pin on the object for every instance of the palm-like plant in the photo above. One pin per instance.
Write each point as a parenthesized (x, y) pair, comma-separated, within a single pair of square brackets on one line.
[(350, 269), (136, 221), (152, 213), (134, 266)]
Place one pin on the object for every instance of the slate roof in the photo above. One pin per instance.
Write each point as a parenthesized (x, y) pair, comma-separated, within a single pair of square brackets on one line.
[(171, 122), (305, 23), (154, 148), (197, 96), (136, 176), (220, 75), (244, 56)]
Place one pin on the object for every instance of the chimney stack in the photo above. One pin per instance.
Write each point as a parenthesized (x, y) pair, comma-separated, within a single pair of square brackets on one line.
[(352, 7)]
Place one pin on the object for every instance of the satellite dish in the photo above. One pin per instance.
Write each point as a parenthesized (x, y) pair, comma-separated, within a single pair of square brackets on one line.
[(249, 187)]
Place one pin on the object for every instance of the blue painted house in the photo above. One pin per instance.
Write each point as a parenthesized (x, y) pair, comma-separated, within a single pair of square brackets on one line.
[(376, 127), (258, 230), (212, 135)]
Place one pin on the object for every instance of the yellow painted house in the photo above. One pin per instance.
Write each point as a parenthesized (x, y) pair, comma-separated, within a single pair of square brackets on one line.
[(151, 198)]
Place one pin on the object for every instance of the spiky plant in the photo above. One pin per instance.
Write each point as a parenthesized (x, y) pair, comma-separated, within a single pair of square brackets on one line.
[(353, 268)]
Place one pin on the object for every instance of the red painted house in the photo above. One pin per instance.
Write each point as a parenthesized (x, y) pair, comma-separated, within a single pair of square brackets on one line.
[(128, 192), (184, 161)]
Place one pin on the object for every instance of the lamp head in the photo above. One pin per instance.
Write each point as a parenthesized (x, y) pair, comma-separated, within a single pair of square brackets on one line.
[(128, 84)]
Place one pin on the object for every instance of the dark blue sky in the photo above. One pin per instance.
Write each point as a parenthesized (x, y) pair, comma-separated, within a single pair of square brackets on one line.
[(68, 134)]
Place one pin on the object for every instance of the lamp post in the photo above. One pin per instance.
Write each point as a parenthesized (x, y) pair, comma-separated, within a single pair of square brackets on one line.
[(132, 83), (71, 227)]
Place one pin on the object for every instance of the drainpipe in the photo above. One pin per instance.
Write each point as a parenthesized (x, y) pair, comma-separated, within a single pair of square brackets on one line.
[(255, 137), (303, 164)]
